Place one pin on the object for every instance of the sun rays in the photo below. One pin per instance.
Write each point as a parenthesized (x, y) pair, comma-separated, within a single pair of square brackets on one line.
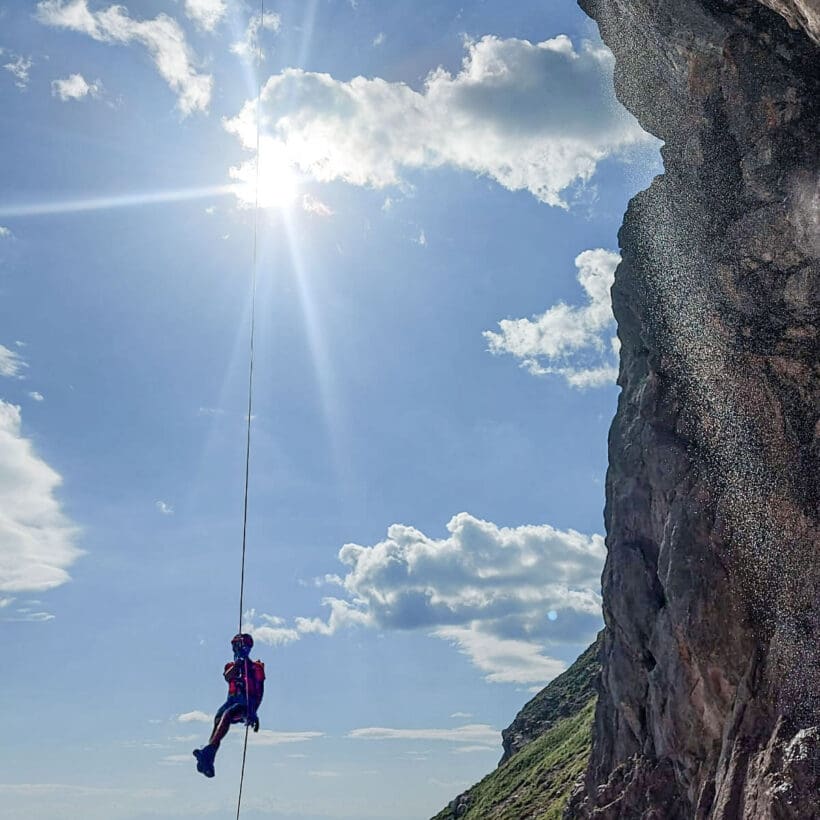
[(101, 203)]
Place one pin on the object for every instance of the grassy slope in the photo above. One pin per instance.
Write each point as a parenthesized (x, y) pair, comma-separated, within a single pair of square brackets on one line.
[(564, 697), (535, 783)]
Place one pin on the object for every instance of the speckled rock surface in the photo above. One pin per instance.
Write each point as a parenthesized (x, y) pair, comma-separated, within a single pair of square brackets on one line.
[(710, 691)]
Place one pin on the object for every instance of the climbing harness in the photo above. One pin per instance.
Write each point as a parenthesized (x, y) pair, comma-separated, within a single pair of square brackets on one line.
[(254, 266)]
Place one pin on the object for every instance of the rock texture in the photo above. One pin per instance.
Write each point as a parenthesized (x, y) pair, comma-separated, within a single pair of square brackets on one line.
[(709, 705)]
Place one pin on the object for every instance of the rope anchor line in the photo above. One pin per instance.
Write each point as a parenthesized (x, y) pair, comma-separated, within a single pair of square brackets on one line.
[(254, 267)]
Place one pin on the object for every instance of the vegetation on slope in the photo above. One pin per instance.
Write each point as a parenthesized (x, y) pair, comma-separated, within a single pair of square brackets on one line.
[(535, 783), (563, 697), (546, 750)]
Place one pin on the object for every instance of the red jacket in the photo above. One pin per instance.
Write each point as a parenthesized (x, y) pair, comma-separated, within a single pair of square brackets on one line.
[(235, 674)]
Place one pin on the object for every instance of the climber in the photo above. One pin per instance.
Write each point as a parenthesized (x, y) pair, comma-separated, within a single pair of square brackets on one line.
[(246, 685)]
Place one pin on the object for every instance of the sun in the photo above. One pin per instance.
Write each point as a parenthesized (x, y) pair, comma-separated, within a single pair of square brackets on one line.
[(277, 180), (278, 185)]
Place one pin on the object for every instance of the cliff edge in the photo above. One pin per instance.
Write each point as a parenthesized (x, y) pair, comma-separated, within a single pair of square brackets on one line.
[(709, 702)]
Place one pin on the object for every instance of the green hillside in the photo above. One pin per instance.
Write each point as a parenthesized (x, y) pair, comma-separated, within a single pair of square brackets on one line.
[(546, 751)]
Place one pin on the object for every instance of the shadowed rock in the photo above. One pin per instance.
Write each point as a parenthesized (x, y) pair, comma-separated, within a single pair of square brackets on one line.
[(710, 690)]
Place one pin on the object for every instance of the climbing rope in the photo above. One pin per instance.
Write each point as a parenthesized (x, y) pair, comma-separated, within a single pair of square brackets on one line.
[(254, 266), (242, 776)]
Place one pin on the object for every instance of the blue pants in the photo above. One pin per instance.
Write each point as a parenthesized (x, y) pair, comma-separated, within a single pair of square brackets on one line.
[(236, 705)]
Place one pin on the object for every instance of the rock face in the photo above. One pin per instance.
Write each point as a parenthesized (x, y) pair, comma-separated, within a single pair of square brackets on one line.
[(709, 704)]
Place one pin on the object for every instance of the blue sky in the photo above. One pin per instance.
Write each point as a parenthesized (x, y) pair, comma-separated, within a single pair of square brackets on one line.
[(434, 384)]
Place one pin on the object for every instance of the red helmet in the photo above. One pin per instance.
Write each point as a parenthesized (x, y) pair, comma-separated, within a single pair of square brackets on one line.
[(243, 639)]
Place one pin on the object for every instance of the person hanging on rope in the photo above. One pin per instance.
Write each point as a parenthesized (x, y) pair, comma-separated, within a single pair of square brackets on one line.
[(246, 685)]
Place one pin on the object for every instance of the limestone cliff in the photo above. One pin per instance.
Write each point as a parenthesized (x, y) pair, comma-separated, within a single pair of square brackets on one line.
[(709, 705)]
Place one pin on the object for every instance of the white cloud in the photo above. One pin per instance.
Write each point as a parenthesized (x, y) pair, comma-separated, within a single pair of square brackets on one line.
[(37, 541), (207, 14), (315, 206), (485, 588), (183, 738), (266, 737), (5, 233), (195, 717), (75, 87), (275, 636), (11, 363), (272, 631), (36, 395), (463, 715), (536, 117), (164, 507), (27, 615), (175, 760), (379, 39), (64, 790), (19, 68), (248, 46), (503, 660), (472, 734), (162, 37), (574, 342)]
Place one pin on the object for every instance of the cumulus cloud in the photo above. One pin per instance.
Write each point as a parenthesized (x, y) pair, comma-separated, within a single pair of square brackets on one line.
[(11, 363), (5, 233), (162, 37), (74, 87), (532, 116), (37, 541), (577, 343), (487, 589), (207, 14), (272, 630), (36, 395), (248, 46), (472, 734), (164, 507)]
